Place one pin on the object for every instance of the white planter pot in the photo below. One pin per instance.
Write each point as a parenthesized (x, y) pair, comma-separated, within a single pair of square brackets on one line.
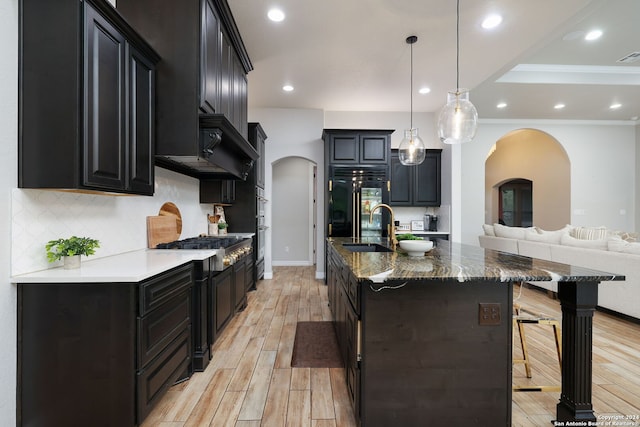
[(71, 262)]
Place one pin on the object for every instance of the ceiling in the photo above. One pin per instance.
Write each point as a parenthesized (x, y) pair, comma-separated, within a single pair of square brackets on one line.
[(351, 55)]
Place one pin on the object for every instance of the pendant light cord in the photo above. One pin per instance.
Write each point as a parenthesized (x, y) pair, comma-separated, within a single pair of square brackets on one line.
[(411, 93), (458, 46)]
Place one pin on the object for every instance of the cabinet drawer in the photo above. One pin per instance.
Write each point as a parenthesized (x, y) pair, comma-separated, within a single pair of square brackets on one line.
[(160, 327), (162, 373), (160, 289)]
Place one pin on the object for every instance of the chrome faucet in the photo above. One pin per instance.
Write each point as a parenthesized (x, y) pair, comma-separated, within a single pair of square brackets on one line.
[(392, 228)]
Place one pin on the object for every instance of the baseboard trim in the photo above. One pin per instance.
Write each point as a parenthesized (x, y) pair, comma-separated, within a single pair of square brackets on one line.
[(291, 263)]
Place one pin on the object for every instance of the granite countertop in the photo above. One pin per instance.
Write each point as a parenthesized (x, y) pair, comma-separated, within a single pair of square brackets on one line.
[(449, 260)]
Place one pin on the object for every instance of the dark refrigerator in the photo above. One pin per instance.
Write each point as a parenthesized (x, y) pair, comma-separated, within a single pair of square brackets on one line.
[(353, 193)]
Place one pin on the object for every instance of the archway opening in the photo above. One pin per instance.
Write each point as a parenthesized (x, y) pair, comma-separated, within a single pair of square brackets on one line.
[(537, 157)]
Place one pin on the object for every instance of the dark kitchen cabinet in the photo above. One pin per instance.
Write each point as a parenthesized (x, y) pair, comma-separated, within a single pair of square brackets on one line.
[(361, 147), (240, 284), (222, 302), (246, 214), (417, 185), (344, 300), (87, 93), (217, 191), (117, 348), (203, 71)]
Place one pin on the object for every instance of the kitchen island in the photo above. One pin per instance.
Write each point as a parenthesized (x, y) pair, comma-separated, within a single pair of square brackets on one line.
[(428, 340)]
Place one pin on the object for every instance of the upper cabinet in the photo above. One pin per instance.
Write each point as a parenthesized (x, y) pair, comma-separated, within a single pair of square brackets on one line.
[(257, 138), (87, 95), (203, 73), (357, 147), (417, 185)]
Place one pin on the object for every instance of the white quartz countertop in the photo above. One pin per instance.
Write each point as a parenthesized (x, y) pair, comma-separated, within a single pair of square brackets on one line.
[(127, 267)]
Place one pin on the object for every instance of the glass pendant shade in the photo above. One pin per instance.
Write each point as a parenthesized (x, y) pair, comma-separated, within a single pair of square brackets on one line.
[(411, 150), (458, 119)]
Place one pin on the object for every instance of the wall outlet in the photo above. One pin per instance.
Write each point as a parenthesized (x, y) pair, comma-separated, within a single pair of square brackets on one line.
[(489, 314), (286, 248)]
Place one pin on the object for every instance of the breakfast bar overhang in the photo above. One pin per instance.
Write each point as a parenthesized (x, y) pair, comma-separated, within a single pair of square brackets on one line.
[(427, 356)]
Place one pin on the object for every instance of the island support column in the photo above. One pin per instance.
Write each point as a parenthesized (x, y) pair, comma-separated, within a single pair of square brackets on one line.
[(578, 302)]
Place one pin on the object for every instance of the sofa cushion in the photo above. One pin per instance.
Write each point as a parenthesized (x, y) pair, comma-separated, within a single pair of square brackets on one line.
[(617, 244), (510, 232), (544, 236), (499, 244), (488, 230), (568, 240), (589, 233)]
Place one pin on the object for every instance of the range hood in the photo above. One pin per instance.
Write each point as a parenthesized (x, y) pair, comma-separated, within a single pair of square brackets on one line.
[(222, 152)]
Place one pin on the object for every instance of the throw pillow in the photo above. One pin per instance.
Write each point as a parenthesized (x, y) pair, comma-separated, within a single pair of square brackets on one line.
[(544, 236), (589, 233), (625, 235), (488, 230), (618, 244), (569, 240), (509, 232)]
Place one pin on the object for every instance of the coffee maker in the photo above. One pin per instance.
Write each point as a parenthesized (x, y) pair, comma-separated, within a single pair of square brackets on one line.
[(431, 222)]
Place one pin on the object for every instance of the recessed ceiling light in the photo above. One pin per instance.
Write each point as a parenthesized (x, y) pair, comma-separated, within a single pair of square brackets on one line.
[(559, 106), (276, 15), (424, 90), (491, 21), (593, 35), (615, 106), (501, 105), (287, 88)]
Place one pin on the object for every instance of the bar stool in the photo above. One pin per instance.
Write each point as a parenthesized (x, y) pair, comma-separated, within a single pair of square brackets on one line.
[(524, 316)]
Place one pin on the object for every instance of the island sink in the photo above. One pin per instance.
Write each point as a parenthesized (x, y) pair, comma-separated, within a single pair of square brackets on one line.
[(366, 247)]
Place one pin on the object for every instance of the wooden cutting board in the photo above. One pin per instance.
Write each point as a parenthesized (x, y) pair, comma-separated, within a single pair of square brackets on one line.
[(161, 229), (170, 209)]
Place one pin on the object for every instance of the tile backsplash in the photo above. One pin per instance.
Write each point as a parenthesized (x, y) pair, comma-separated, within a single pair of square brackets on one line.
[(118, 222)]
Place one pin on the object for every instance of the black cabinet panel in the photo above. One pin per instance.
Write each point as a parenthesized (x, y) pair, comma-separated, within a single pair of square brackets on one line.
[(86, 90), (211, 59), (218, 191), (357, 147), (240, 284), (418, 185), (94, 354), (401, 182), (222, 301), (104, 139)]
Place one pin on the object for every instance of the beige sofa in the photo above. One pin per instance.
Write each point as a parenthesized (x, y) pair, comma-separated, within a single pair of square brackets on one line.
[(615, 253)]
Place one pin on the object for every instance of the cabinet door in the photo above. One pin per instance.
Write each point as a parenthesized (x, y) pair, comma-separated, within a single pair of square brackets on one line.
[(401, 182), (211, 55), (426, 184), (344, 148), (222, 301), (217, 191), (141, 76), (226, 73), (105, 148), (374, 149)]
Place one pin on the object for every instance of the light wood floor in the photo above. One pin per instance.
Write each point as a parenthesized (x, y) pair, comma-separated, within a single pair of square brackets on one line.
[(249, 381)]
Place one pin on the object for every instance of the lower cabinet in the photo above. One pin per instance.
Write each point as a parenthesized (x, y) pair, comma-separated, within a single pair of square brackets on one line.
[(101, 354), (221, 302), (344, 301)]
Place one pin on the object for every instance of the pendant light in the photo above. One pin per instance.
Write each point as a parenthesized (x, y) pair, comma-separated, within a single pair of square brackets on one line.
[(458, 119), (411, 150)]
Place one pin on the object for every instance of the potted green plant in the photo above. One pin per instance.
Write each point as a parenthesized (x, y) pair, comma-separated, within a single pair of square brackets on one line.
[(222, 228), (71, 249)]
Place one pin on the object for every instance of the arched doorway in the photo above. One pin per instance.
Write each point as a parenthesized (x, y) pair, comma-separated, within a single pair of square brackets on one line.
[(537, 157), (293, 211)]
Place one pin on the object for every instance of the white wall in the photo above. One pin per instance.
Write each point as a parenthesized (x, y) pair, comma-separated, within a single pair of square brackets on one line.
[(292, 200), (8, 180), (291, 133), (603, 178)]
